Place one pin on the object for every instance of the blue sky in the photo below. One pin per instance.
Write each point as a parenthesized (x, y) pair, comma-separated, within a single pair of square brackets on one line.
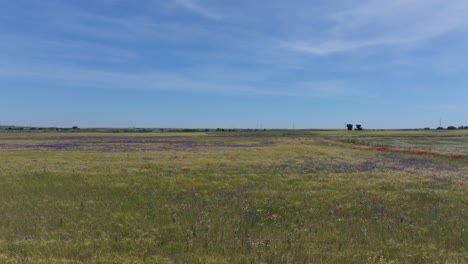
[(236, 64)]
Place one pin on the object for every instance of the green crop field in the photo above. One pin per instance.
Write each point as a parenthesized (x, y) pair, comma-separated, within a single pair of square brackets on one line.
[(234, 197)]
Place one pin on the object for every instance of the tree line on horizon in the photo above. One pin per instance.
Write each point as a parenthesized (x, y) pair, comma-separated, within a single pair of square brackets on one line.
[(359, 127), (349, 127)]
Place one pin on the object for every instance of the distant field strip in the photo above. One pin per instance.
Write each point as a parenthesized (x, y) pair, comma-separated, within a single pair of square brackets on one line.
[(453, 143)]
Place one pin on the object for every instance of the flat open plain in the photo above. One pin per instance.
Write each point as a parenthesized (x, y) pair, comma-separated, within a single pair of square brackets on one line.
[(234, 197)]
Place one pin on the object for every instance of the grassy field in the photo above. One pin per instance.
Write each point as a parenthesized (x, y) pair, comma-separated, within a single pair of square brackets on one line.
[(438, 141), (237, 197)]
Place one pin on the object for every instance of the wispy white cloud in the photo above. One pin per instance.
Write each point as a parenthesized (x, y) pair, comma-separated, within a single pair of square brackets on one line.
[(53, 49), (192, 6), (334, 46), (389, 23), (189, 80)]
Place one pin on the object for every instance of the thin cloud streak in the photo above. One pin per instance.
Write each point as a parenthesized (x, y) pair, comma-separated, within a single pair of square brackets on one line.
[(190, 5), (55, 49), (75, 77), (336, 46)]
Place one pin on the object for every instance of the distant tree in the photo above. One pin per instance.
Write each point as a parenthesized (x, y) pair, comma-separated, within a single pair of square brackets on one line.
[(460, 127), (349, 127), (75, 127), (466, 127), (440, 128), (358, 127), (427, 128), (451, 127)]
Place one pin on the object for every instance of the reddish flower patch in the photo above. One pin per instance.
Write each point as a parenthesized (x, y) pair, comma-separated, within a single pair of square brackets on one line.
[(420, 152), (382, 148), (346, 216), (271, 215)]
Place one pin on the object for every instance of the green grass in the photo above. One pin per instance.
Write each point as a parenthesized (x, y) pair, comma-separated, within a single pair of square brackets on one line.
[(264, 197), (440, 141)]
